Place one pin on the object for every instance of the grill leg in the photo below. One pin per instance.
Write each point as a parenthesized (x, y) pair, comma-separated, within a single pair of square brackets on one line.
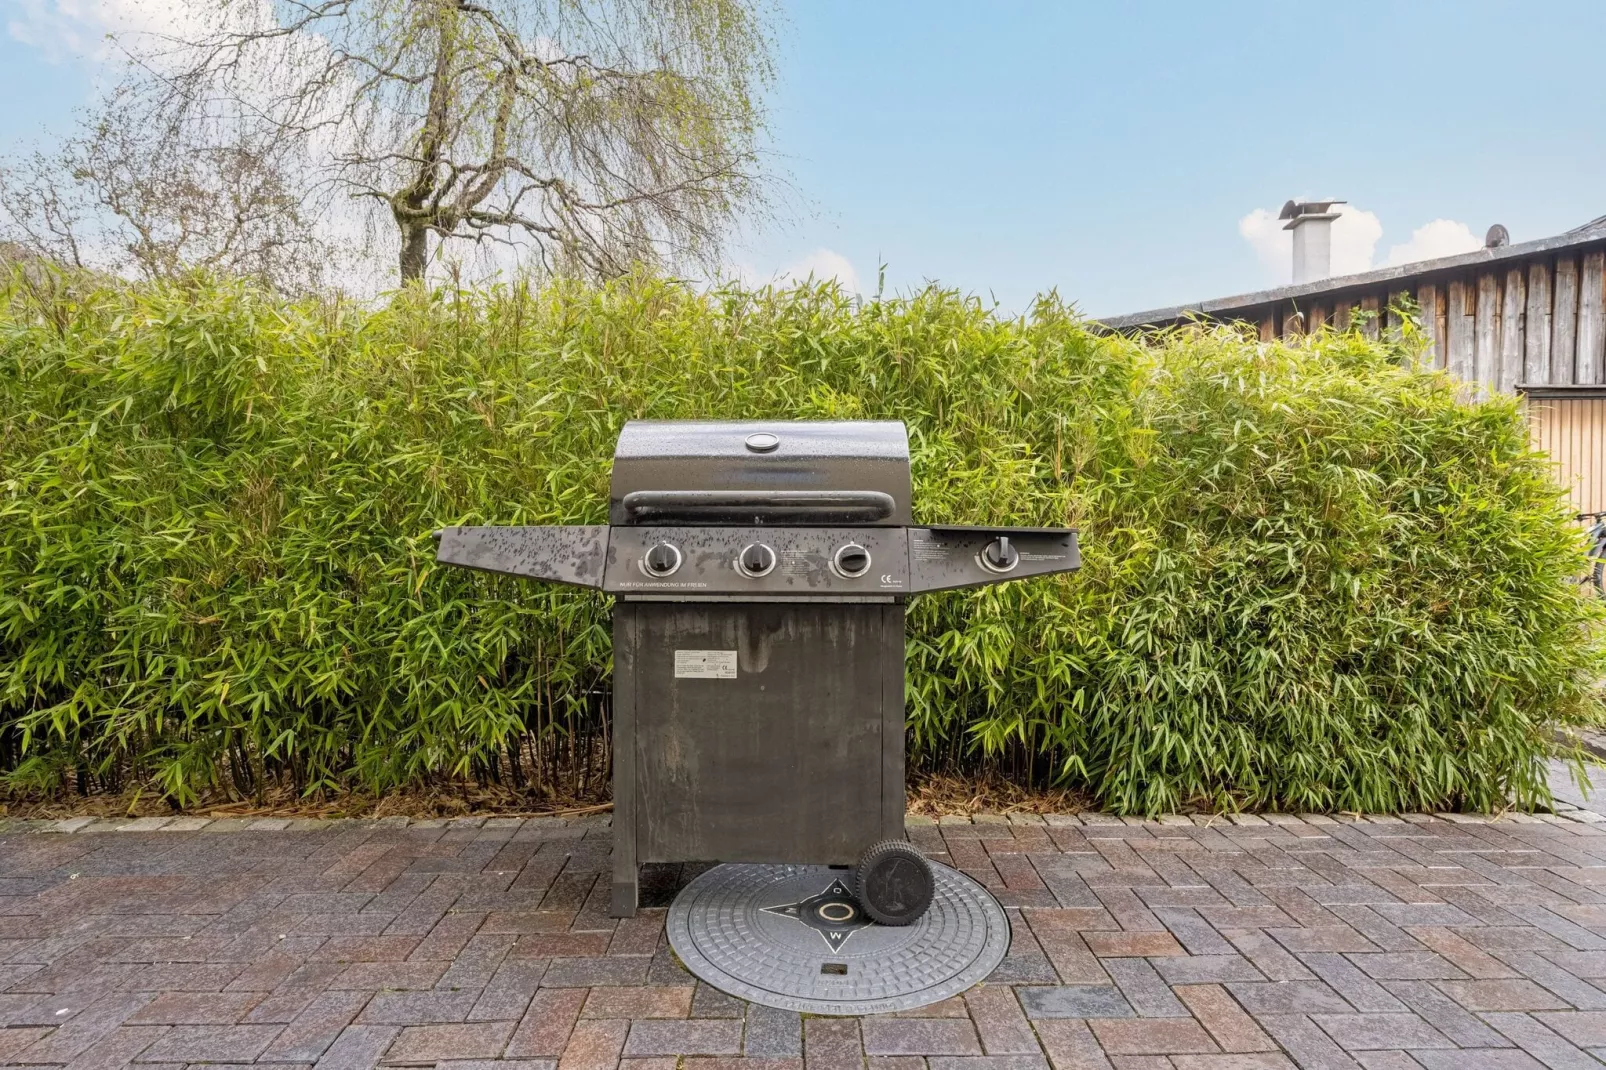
[(626, 637), (893, 792), (624, 893)]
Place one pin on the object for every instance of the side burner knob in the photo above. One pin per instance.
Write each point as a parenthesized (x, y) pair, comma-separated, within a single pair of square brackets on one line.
[(756, 560), (999, 555), (662, 560)]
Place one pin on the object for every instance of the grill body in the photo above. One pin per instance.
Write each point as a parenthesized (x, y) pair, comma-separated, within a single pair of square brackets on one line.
[(734, 769), (760, 573)]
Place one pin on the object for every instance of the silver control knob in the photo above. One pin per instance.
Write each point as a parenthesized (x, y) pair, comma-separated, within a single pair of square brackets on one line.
[(662, 560), (999, 555), (852, 560), (755, 560)]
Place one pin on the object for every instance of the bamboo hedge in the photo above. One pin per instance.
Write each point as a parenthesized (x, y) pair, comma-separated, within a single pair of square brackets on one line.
[(1317, 576)]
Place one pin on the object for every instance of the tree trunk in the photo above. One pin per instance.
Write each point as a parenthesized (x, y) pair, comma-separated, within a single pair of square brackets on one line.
[(414, 252)]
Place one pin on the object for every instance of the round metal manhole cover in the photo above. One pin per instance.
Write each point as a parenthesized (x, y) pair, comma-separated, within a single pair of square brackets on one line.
[(793, 937)]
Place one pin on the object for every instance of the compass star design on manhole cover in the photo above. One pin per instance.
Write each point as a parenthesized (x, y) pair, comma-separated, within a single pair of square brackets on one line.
[(834, 914), (781, 935)]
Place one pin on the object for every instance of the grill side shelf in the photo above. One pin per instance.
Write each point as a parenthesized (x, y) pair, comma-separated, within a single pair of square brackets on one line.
[(572, 554), (944, 558)]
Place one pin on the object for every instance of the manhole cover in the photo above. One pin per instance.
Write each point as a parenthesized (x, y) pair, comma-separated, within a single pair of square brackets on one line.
[(793, 937)]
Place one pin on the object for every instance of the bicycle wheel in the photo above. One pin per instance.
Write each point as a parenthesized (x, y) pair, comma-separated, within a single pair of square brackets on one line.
[(1597, 575)]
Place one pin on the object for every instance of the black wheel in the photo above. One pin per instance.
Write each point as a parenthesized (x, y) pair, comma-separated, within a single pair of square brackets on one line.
[(1597, 551), (1597, 575), (894, 883)]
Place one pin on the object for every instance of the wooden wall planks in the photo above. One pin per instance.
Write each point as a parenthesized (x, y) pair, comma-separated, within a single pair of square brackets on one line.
[(1590, 359), (1461, 331), (1486, 331), (1428, 298), (1369, 326), (1395, 302), (1511, 340), (1536, 325), (1293, 323), (1538, 320), (1564, 320), (1541, 323)]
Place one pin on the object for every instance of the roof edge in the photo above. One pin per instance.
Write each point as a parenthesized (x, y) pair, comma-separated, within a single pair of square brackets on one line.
[(1588, 234)]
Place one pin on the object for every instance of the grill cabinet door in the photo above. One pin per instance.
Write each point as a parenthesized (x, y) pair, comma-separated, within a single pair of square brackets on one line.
[(798, 758)]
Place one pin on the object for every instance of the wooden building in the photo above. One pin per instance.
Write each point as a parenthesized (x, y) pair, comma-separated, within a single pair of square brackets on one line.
[(1528, 318)]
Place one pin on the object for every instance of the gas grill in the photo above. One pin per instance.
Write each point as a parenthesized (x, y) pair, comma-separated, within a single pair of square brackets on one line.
[(760, 571)]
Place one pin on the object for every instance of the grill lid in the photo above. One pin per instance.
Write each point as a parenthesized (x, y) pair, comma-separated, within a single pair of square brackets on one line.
[(761, 472)]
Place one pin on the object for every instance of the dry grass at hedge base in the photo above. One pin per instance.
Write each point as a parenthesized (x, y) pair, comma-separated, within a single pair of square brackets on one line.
[(446, 800), (935, 796), (942, 795), (1316, 576)]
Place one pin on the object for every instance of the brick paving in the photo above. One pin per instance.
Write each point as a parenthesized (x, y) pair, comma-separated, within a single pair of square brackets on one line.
[(1251, 943)]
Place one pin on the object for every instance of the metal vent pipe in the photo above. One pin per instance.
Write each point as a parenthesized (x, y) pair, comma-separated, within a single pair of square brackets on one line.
[(1312, 226)]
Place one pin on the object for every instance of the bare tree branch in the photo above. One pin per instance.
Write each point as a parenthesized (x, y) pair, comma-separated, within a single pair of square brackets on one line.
[(133, 198), (597, 134)]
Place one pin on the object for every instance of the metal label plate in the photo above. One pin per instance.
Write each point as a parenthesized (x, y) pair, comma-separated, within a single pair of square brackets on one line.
[(705, 664)]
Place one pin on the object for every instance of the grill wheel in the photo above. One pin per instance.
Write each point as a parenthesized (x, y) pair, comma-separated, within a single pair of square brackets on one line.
[(894, 883)]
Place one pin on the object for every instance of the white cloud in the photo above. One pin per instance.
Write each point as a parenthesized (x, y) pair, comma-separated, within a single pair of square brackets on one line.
[(742, 272), (64, 29), (819, 265), (1263, 231), (1442, 237), (823, 264), (1355, 236)]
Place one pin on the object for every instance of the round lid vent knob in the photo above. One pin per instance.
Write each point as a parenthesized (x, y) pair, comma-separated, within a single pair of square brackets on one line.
[(763, 442), (999, 555), (662, 560), (852, 560), (756, 559)]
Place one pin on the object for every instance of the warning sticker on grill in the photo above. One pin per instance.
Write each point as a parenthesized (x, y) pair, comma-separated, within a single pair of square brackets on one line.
[(705, 664)]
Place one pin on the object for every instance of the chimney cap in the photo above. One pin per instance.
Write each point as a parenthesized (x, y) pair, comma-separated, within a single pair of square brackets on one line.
[(1300, 210)]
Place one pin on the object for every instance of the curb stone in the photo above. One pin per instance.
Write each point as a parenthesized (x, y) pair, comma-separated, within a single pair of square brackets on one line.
[(1565, 814)]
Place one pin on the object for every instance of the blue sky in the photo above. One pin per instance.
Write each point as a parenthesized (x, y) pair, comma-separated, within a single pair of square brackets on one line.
[(1114, 150)]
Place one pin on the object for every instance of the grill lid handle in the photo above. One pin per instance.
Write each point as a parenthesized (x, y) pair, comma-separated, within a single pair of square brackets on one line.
[(758, 506)]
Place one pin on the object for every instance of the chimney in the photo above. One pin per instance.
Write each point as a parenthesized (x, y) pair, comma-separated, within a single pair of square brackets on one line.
[(1312, 225)]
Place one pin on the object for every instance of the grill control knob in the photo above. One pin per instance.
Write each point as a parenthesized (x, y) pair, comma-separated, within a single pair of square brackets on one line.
[(852, 560), (999, 555), (756, 559), (662, 560)]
